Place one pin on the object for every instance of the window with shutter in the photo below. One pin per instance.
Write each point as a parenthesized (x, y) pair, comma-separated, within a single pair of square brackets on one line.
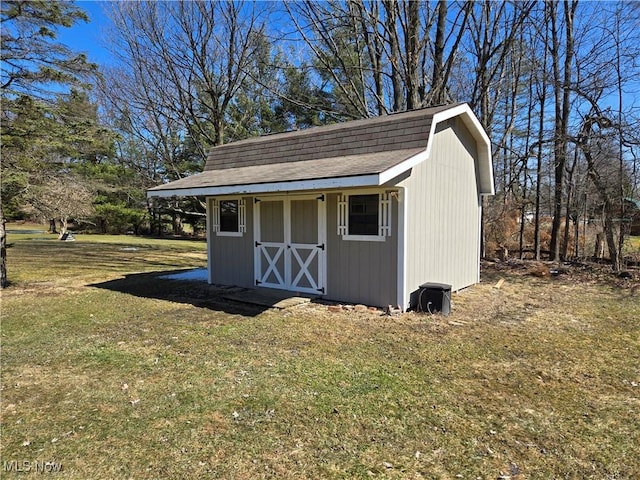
[(364, 217), (229, 217)]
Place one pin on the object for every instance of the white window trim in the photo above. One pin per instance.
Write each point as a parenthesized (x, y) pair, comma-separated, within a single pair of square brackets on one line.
[(242, 218), (384, 217), (364, 238)]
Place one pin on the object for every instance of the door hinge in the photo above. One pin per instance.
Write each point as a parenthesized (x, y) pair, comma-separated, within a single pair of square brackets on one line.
[(258, 282), (321, 290), (321, 247), (258, 243), (321, 198), (256, 199)]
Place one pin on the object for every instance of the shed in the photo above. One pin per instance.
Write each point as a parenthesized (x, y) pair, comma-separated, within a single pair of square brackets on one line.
[(363, 212)]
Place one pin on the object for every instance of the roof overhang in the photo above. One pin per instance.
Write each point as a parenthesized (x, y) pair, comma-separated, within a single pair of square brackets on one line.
[(354, 181), (294, 186)]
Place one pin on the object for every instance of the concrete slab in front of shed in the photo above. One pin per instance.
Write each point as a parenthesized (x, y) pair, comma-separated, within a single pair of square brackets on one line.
[(269, 297)]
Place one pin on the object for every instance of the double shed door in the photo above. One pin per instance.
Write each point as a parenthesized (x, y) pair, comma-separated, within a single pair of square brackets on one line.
[(290, 238)]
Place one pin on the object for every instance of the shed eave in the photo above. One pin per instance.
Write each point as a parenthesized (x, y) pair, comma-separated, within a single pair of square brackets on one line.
[(286, 186), (402, 167)]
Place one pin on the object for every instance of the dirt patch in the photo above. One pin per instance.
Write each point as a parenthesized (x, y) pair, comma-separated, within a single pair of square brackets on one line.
[(564, 272)]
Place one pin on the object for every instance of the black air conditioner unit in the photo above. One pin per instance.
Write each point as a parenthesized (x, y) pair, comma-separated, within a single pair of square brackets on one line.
[(433, 298)]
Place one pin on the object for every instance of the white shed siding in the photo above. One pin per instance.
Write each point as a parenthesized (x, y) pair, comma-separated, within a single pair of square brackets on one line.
[(443, 212)]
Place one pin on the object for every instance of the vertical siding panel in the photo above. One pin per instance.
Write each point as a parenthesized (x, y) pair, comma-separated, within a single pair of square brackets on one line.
[(443, 214), (233, 256), (360, 272), (334, 253), (272, 220)]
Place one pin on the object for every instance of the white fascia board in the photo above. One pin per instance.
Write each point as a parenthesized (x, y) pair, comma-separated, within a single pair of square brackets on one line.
[(469, 118), (319, 184), (402, 167), (402, 295), (420, 157), (209, 223)]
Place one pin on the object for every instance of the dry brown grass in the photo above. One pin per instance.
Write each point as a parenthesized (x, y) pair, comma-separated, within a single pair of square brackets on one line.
[(116, 375)]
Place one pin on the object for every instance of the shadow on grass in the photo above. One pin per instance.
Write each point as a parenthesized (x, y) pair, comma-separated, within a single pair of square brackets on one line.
[(197, 293)]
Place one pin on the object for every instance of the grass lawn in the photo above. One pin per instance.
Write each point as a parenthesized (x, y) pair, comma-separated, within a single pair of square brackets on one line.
[(632, 245), (111, 372)]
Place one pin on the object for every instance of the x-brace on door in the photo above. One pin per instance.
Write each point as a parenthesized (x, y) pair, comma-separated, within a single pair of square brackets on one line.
[(290, 243)]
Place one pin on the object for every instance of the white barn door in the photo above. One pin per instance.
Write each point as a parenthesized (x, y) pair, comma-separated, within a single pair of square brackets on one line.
[(270, 243), (290, 243)]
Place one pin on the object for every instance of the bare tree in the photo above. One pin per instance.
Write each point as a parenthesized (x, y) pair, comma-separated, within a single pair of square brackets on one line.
[(443, 60), (542, 96), (192, 55), (392, 14), (382, 54), (151, 136), (338, 46), (4, 281), (494, 29), (604, 70), (63, 197), (623, 28), (526, 68), (597, 154), (369, 19), (181, 66), (562, 93)]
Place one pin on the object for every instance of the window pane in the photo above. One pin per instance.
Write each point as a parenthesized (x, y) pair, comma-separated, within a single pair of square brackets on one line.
[(363, 214), (229, 216)]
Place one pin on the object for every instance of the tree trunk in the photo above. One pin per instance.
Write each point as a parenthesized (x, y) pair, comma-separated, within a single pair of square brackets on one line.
[(176, 221), (609, 233), (567, 213), (598, 248), (608, 208), (412, 54), (525, 170), (562, 98), (559, 142), (64, 223), (621, 174), (536, 228), (3, 250), (576, 237), (375, 48), (541, 91), (394, 55), (438, 89)]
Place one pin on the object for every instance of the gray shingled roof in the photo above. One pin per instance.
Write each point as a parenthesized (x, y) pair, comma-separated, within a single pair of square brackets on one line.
[(401, 131), (345, 150), (334, 167)]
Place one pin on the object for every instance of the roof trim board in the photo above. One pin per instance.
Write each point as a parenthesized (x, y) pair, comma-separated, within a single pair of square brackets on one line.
[(284, 186)]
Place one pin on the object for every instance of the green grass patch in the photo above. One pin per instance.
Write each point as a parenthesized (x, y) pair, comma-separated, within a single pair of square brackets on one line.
[(633, 242), (115, 373)]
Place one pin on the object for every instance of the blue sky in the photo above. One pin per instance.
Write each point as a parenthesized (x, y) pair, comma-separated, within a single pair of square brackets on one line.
[(87, 37)]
